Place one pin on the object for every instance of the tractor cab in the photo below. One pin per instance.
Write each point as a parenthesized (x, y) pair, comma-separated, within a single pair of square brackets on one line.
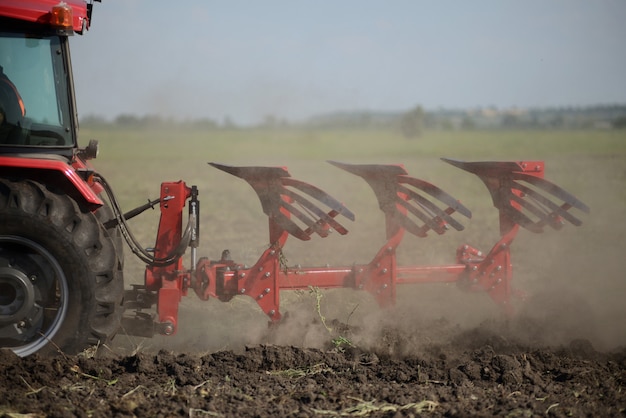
[(37, 105)]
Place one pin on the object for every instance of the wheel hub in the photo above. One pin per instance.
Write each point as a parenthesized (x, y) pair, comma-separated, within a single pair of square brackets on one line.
[(33, 293), (17, 297)]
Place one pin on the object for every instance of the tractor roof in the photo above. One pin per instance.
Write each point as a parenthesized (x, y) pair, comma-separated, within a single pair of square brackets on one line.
[(40, 11)]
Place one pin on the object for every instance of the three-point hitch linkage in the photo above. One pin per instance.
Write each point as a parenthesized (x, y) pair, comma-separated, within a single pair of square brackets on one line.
[(519, 191)]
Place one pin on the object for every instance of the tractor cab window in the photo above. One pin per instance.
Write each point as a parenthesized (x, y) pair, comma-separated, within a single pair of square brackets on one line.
[(34, 104)]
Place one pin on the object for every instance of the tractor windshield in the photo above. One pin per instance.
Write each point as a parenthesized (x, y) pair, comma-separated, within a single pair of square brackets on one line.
[(34, 95)]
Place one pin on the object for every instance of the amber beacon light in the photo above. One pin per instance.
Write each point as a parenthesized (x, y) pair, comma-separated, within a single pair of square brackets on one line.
[(61, 16)]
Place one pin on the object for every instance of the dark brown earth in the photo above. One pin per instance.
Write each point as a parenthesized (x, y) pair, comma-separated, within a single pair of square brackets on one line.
[(485, 371)]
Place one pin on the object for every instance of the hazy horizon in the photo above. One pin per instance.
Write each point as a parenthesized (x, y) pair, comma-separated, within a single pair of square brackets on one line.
[(292, 60)]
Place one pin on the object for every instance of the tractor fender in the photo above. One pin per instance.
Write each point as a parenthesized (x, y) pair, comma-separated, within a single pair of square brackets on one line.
[(54, 171)]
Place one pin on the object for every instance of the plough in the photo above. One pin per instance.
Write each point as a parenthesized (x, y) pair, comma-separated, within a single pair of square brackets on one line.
[(519, 192)]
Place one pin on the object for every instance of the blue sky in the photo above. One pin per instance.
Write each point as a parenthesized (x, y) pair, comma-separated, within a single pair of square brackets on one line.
[(294, 59)]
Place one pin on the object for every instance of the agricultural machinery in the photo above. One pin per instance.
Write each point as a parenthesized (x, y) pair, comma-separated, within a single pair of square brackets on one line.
[(62, 231)]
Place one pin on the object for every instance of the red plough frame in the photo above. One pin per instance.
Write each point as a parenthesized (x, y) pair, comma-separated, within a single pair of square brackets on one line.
[(518, 189)]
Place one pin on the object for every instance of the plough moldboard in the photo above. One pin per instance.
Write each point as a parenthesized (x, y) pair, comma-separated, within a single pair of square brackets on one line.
[(519, 191)]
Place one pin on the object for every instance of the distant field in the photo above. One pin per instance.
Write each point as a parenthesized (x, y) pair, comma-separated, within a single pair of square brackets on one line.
[(353, 144), (585, 261)]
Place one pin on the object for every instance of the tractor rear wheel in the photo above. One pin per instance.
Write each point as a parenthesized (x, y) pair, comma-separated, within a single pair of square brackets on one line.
[(61, 284)]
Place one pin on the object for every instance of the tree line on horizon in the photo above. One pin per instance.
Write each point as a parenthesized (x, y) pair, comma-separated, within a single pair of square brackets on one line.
[(410, 123)]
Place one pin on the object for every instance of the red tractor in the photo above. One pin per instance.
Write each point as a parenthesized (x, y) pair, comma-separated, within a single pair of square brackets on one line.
[(62, 230), (61, 279)]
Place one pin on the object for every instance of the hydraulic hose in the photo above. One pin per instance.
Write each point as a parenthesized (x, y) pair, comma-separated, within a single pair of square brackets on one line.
[(132, 242)]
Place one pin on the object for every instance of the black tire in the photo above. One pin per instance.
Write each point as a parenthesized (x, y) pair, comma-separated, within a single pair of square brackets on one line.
[(61, 284)]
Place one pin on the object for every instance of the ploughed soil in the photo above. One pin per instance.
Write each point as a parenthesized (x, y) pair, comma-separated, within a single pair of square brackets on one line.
[(484, 371)]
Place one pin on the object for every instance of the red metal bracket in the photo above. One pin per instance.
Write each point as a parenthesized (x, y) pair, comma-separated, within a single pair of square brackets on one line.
[(170, 281)]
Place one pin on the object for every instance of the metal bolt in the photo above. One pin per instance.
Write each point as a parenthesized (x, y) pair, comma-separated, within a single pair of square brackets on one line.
[(272, 252), (267, 274), (21, 324), (474, 268), (360, 271), (33, 278), (261, 268), (479, 253), (503, 245), (390, 249), (384, 271), (384, 286), (242, 291), (272, 312), (261, 296), (168, 329), (242, 274), (499, 268), (267, 290)]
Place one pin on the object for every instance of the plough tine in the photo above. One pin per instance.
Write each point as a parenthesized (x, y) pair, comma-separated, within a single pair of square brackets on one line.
[(411, 226), (560, 211), (272, 186), (290, 226), (539, 213), (521, 219), (438, 194), (389, 184), (432, 208), (312, 224), (324, 217), (554, 190), (510, 196), (320, 195)]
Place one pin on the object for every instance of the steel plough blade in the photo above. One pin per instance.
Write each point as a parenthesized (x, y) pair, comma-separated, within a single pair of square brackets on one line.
[(520, 192), (285, 199), (429, 206)]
